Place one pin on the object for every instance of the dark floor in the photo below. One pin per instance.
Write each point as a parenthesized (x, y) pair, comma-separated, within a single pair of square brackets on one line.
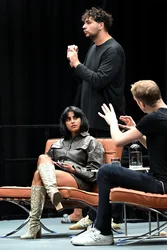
[(61, 239)]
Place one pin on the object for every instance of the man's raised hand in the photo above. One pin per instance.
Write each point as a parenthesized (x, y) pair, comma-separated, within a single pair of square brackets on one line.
[(109, 113), (129, 122)]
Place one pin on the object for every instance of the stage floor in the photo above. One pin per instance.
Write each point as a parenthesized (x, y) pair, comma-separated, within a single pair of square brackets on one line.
[(61, 238)]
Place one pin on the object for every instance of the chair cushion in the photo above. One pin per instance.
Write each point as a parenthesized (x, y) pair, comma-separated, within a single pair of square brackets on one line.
[(111, 151), (14, 192), (90, 198), (157, 201)]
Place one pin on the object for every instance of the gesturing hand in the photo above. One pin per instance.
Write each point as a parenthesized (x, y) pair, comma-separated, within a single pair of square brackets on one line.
[(72, 55), (109, 114), (128, 121), (72, 47)]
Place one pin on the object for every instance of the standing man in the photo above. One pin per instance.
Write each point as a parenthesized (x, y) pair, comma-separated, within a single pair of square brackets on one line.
[(102, 77), (103, 72)]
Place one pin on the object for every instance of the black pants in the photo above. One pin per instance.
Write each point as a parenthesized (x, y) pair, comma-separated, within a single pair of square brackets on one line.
[(117, 213), (110, 176)]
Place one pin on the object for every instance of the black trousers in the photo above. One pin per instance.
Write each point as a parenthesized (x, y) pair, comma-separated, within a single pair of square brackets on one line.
[(117, 213), (110, 176)]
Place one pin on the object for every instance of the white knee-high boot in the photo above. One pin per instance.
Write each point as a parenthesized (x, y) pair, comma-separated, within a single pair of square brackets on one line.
[(48, 176), (38, 194)]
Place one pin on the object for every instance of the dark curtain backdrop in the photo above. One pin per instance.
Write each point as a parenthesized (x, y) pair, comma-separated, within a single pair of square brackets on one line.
[(36, 83)]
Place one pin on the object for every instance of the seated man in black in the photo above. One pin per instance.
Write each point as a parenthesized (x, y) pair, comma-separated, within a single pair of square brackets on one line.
[(151, 131)]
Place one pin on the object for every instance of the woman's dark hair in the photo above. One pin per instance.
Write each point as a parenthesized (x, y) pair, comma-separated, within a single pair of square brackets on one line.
[(79, 114)]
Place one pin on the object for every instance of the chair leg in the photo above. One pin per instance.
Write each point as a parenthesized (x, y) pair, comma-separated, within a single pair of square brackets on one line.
[(148, 235), (23, 224), (17, 229), (125, 220)]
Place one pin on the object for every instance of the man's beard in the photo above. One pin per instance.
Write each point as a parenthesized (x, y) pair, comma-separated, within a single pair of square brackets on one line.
[(93, 36)]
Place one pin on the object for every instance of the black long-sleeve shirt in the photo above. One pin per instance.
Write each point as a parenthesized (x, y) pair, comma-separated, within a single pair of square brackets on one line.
[(103, 81)]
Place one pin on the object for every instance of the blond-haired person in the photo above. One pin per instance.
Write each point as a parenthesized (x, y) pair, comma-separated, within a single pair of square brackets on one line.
[(151, 131)]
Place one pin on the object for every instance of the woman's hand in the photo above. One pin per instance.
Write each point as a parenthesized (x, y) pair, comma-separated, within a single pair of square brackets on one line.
[(65, 167), (109, 114), (128, 121), (69, 168)]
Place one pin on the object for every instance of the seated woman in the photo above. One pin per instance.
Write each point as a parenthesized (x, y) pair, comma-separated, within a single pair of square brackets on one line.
[(73, 155)]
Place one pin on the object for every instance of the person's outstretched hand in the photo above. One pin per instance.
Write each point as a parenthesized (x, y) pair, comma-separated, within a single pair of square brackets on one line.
[(129, 122), (109, 114)]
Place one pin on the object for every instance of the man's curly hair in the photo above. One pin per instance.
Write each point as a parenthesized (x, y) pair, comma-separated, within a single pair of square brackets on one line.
[(98, 15)]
